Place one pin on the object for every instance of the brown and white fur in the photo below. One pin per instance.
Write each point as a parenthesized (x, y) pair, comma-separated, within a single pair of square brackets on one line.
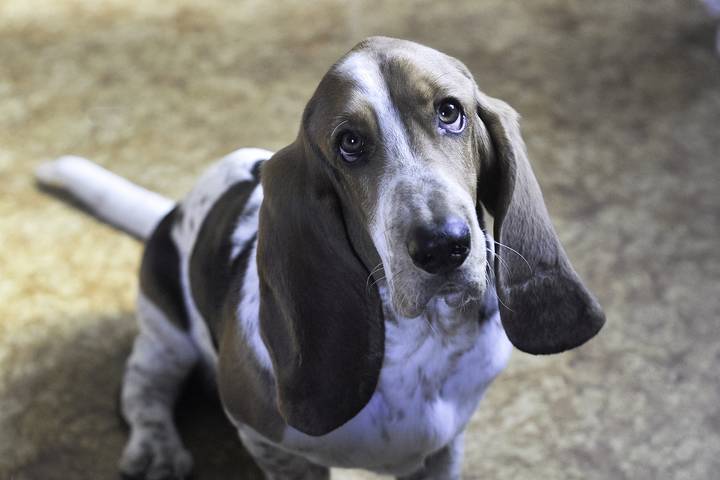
[(291, 277)]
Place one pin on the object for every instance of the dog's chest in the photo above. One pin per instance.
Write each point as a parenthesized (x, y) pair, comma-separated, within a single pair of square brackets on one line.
[(435, 370)]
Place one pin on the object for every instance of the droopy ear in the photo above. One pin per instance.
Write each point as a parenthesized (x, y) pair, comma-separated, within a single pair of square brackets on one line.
[(324, 329), (545, 308)]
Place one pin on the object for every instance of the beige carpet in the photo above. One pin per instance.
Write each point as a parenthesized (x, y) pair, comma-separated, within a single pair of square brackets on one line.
[(621, 106)]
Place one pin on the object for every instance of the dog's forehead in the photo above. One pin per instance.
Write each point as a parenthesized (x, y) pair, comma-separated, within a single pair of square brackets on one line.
[(386, 87), (399, 69)]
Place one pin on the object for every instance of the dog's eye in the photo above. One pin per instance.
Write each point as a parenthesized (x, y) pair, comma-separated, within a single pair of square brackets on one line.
[(451, 116), (351, 146)]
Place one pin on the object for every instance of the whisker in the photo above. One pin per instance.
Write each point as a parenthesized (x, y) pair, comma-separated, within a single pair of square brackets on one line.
[(338, 126), (497, 295), (503, 304), (515, 252), (376, 281), (502, 262), (434, 332), (375, 270), (384, 277)]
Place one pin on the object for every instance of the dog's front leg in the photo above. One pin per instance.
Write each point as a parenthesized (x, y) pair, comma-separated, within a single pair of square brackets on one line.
[(161, 358), (445, 464)]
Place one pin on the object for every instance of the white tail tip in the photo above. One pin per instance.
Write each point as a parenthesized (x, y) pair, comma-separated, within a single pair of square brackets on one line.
[(112, 198)]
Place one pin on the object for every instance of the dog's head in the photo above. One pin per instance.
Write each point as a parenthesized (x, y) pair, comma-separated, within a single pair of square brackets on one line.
[(397, 154)]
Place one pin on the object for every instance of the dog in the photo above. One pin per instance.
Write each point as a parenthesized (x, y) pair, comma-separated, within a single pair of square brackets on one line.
[(344, 292)]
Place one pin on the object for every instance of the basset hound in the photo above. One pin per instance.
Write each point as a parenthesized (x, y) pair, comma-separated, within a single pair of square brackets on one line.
[(344, 292)]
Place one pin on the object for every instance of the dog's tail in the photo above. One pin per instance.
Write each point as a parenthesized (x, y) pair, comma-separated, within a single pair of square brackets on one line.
[(109, 197)]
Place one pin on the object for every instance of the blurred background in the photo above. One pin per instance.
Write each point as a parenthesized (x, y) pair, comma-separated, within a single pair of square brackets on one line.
[(621, 114)]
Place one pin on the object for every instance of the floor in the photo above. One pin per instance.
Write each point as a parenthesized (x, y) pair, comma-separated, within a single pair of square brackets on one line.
[(621, 108)]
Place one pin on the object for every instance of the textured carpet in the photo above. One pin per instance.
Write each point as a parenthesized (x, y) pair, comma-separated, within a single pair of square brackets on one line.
[(621, 107)]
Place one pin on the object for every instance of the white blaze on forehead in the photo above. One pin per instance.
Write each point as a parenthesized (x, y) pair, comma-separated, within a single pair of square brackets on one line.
[(372, 89), (364, 72)]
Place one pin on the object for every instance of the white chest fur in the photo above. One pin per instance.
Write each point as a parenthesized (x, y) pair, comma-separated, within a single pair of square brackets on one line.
[(435, 371)]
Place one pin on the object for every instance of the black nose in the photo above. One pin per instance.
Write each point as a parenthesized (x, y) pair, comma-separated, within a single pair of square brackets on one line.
[(440, 248)]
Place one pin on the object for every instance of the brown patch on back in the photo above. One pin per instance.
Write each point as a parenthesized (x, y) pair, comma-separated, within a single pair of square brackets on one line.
[(212, 270), (160, 272)]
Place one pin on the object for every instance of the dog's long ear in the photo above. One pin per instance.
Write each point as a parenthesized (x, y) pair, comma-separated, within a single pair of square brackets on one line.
[(322, 325), (545, 308)]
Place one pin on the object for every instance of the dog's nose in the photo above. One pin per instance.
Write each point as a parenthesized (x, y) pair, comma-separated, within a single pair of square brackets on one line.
[(440, 248)]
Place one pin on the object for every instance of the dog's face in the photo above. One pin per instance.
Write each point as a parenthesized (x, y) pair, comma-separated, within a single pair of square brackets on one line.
[(397, 122)]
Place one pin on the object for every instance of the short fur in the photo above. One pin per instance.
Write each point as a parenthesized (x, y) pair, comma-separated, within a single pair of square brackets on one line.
[(288, 275)]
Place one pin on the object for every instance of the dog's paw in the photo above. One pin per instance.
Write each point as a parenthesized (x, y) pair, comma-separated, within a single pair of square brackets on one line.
[(155, 454)]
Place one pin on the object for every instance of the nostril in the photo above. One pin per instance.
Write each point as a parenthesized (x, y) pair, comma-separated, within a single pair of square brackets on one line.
[(458, 249)]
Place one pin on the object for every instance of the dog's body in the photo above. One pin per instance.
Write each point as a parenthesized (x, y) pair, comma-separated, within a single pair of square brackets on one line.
[(430, 382), (269, 273)]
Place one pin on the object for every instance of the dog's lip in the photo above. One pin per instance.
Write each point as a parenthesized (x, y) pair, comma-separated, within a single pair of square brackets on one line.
[(455, 299), (452, 293), (456, 295)]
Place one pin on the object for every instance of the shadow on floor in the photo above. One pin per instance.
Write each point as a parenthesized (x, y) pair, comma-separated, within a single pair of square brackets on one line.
[(65, 405)]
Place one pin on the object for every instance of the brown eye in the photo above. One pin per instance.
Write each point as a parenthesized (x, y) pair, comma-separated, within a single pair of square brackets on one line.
[(351, 146), (449, 111), (451, 116)]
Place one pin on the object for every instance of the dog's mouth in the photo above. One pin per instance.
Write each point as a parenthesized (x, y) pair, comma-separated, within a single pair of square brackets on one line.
[(458, 296), (455, 294)]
